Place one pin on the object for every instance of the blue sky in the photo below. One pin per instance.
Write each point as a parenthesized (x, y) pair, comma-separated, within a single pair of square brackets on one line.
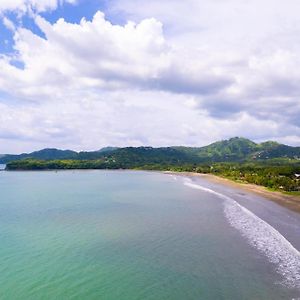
[(87, 74), (68, 11)]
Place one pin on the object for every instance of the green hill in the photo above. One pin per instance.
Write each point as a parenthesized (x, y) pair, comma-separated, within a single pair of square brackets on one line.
[(233, 150), (269, 164), (45, 154), (241, 149), (52, 153)]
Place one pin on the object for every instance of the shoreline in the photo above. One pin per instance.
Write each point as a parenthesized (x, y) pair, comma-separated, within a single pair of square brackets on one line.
[(291, 202), (288, 201)]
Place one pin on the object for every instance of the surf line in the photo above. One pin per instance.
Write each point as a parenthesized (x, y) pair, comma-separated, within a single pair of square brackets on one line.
[(260, 235)]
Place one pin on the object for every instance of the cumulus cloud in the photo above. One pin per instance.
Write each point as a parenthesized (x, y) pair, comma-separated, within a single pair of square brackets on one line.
[(9, 24), (98, 54), (91, 122), (254, 42), (28, 6), (266, 87), (162, 79)]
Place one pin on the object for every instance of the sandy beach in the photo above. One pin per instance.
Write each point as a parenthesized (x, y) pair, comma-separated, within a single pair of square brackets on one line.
[(289, 201)]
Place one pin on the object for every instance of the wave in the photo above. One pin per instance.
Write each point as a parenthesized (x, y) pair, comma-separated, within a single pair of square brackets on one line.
[(173, 176), (262, 236)]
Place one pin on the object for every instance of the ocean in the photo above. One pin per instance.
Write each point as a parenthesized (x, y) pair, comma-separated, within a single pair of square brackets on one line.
[(142, 235)]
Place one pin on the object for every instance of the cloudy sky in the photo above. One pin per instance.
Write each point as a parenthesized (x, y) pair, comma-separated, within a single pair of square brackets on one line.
[(83, 74)]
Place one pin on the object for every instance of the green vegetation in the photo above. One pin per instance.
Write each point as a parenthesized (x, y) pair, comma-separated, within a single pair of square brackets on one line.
[(232, 150), (268, 164), (272, 175)]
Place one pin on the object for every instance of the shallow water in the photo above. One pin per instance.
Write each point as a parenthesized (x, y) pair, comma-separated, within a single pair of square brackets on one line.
[(140, 235)]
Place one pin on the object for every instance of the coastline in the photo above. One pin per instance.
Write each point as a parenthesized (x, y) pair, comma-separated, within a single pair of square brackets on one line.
[(292, 202), (288, 201)]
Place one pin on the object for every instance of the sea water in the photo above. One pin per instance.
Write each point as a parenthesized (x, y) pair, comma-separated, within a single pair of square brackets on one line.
[(141, 235)]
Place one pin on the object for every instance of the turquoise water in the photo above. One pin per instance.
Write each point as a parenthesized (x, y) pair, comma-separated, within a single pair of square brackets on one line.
[(125, 235)]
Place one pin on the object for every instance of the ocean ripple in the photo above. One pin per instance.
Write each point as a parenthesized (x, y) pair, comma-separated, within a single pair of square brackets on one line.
[(262, 236)]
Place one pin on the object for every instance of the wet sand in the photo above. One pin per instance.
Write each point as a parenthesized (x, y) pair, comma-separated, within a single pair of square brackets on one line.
[(291, 202)]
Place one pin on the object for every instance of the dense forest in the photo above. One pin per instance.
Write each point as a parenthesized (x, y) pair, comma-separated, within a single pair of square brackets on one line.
[(232, 150), (268, 164)]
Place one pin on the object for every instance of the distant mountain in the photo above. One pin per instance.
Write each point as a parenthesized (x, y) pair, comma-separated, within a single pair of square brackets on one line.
[(88, 155), (241, 149), (107, 149), (232, 150), (45, 154), (52, 153), (147, 155), (274, 150), (236, 149)]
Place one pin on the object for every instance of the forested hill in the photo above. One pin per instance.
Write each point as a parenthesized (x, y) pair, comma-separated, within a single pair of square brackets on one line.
[(232, 150), (51, 154), (45, 154), (269, 164)]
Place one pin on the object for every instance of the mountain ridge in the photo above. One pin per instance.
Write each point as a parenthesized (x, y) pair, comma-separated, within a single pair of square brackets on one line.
[(231, 150)]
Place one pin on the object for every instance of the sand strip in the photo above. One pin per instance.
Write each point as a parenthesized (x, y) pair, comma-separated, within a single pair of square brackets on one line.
[(291, 202)]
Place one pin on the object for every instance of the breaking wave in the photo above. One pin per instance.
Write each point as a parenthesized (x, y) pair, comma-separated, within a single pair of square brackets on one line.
[(262, 236)]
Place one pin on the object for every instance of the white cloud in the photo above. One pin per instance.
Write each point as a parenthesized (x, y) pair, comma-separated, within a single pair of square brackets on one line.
[(160, 119), (92, 52), (220, 23), (25, 6), (167, 79), (9, 24), (97, 54)]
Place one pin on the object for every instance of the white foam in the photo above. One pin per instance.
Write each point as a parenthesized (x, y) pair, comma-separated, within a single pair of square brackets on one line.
[(262, 236), (174, 177)]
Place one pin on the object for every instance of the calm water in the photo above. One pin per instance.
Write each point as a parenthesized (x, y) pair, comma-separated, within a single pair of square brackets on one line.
[(141, 235)]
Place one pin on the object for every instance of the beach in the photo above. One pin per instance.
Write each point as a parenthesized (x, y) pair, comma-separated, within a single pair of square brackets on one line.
[(291, 202)]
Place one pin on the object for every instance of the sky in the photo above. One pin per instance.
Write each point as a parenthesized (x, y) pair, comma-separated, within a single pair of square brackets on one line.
[(85, 74)]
